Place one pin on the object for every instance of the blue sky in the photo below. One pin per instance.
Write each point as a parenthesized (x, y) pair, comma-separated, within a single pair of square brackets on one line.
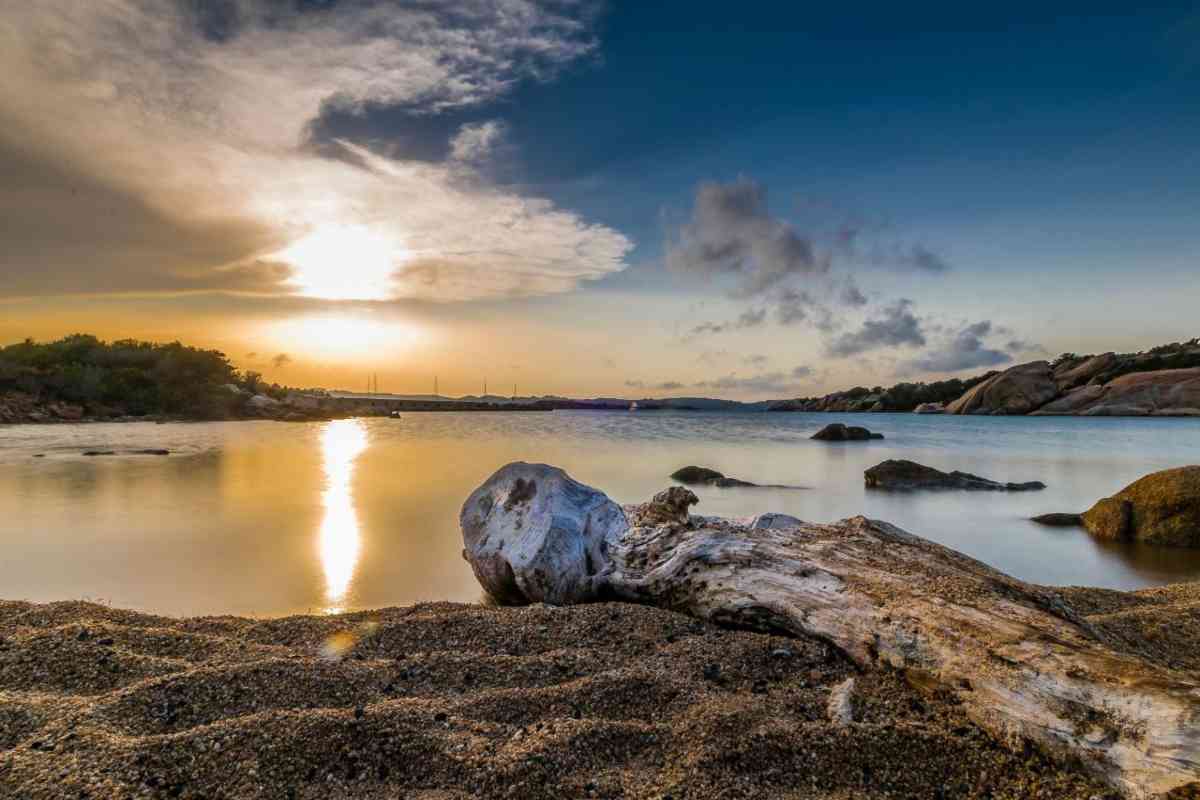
[(1047, 154)]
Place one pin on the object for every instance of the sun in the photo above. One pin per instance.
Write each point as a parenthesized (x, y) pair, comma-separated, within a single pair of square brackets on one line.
[(341, 336), (344, 262)]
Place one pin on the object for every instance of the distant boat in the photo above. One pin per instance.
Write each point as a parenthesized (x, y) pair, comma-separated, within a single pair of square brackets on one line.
[(395, 415), (633, 406)]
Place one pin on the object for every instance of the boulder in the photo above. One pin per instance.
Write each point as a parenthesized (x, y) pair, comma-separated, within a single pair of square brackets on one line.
[(837, 432), (1077, 372), (930, 408), (262, 401), (1163, 393), (1023, 664), (901, 475), (1019, 390), (1160, 508)]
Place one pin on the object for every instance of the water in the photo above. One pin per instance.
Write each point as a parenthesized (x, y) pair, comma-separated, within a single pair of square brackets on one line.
[(274, 518)]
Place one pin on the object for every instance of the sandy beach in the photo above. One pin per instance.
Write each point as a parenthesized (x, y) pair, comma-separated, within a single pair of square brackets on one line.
[(461, 701)]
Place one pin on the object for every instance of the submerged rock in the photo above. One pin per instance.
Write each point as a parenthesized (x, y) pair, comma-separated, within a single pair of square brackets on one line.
[(1018, 390), (1058, 520), (837, 432), (703, 476), (1160, 508), (898, 474), (696, 475)]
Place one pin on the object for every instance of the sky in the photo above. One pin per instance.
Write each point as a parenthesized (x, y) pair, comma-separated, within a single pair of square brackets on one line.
[(618, 199)]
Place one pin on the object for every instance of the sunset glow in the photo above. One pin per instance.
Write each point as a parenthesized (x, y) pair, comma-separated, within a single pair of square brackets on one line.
[(344, 262)]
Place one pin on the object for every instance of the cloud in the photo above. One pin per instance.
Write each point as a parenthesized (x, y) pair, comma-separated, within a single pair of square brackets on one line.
[(964, 350), (762, 383), (162, 147), (732, 232), (895, 325), (667, 386), (884, 252), (474, 142), (750, 318), (1023, 346), (281, 360), (851, 295)]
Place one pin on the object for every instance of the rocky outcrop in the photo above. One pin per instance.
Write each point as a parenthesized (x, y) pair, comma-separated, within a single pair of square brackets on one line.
[(930, 408), (1020, 661), (1018, 390), (901, 475), (1070, 373), (1072, 402), (1164, 393), (1160, 508), (837, 432)]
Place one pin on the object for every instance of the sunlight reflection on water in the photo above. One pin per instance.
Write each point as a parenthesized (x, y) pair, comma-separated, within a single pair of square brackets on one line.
[(339, 542)]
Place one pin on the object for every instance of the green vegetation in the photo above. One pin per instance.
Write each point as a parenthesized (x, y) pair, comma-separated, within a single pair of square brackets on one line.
[(128, 377)]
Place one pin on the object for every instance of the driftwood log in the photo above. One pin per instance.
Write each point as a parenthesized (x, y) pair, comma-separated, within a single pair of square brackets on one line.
[(1024, 666)]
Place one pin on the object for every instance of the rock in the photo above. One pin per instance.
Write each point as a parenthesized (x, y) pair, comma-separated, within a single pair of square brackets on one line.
[(1073, 401), (703, 476), (930, 408), (1163, 393), (696, 475), (1071, 374), (1161, 508), (837, 432), (840, 707), (66, 411), (1020, 662), (1019, 390), (99, 452), (901, 475), (261, 401), (152, 452), (1058, 520)]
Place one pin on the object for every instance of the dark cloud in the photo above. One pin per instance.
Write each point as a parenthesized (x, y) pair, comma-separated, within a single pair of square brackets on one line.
[(882, 252), (732, 232), (281, 360), (1024, 346), (750, 318), (964, 350), (851, 295), (895, 325)]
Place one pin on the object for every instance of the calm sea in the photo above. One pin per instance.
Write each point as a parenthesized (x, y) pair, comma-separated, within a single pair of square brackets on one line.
[(275, 518)]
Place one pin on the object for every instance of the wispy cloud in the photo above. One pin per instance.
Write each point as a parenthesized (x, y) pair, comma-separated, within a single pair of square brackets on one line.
[(168, 144), (774, 382)]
